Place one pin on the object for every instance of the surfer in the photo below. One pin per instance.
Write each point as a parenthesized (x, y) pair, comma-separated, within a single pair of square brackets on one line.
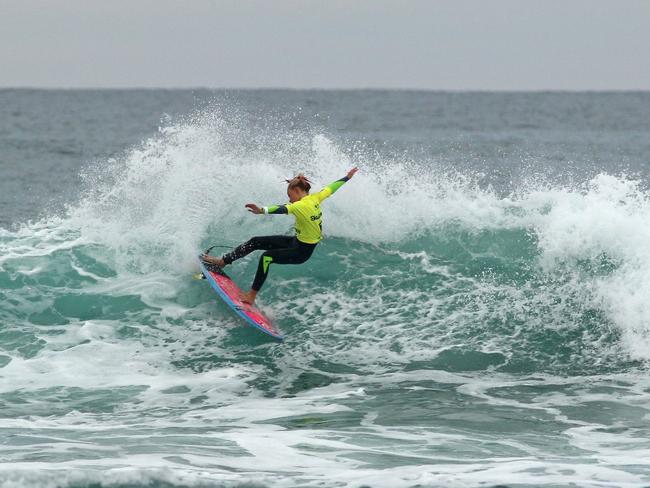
[(297, 249)]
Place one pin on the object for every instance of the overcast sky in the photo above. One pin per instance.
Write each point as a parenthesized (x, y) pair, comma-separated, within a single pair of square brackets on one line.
[(442, 45)]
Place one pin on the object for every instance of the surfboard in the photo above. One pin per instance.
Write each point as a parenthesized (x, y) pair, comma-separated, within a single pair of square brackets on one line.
[(230, 292)]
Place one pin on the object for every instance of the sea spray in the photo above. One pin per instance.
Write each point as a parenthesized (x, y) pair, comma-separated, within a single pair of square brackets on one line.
[(444, 332)]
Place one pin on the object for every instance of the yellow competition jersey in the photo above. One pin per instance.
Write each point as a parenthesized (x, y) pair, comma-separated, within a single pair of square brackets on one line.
[(309, 223)]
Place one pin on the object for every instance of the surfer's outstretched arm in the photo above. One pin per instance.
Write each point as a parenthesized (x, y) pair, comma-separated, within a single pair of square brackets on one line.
[(332, 187)]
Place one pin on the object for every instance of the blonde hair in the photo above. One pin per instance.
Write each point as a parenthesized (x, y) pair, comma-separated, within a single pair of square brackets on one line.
[(299, 181)]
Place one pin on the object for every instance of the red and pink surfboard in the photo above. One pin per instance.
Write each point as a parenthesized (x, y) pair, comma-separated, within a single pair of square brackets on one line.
[(230, 292)]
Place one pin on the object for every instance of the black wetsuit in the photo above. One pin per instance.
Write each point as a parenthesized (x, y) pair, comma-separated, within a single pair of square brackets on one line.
[(279, 249)]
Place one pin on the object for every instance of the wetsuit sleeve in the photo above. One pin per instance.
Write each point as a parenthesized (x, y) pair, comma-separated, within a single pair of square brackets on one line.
[(331, 188), (275, 209)]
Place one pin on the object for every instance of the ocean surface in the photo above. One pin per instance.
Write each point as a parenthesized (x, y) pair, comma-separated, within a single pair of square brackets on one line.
[(478, 313)]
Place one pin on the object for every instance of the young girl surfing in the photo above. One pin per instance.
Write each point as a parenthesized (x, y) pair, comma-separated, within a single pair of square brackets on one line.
[(285, 249)]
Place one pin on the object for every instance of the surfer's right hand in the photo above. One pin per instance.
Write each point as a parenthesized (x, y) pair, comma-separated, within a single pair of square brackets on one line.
[(254, 208)]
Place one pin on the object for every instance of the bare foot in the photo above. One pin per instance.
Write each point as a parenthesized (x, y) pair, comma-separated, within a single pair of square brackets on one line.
[(213, 260), (248, 297)]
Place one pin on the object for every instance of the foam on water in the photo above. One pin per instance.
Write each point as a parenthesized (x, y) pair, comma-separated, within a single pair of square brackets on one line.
[(601, 232)]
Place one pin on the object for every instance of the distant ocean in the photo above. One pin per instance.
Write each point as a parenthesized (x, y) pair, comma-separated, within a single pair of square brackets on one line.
[(477, 315)]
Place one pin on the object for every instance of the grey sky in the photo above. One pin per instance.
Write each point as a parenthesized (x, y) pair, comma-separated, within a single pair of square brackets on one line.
[(453, 45)]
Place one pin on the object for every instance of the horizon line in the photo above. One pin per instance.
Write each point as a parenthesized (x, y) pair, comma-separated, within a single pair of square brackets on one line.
[(326, 89)]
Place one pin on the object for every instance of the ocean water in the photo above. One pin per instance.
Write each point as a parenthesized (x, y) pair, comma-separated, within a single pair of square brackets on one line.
[(477, 314)]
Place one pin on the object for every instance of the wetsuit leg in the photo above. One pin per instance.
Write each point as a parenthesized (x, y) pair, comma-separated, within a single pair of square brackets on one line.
[(255, 243), (298, 253)]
